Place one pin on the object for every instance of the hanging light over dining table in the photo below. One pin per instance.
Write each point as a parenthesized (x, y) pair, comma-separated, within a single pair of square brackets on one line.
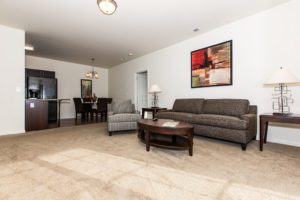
[(92, 74)]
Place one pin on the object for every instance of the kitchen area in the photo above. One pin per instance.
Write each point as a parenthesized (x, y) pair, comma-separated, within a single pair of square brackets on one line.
[(42, 107)]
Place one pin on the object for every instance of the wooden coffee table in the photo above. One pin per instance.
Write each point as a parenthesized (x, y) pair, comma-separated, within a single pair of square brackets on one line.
[(153, 133)]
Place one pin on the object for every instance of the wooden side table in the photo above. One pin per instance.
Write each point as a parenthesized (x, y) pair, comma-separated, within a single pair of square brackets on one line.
[(153, 110), (264, 120)]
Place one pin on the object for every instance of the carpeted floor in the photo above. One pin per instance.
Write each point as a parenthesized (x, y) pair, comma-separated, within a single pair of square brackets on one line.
[(83, 162)]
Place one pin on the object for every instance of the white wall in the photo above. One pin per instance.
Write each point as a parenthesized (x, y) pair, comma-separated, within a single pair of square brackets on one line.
[(68, 78), (12, 65), (261, 44)]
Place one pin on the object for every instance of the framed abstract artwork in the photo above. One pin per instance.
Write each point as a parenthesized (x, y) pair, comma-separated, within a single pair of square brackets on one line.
[(86, 88), (212, 66)]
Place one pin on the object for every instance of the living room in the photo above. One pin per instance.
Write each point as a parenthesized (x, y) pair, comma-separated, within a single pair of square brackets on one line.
[(83, 162)]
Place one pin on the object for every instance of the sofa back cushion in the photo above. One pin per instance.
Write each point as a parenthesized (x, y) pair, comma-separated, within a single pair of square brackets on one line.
[(230, 107), (188, 105)]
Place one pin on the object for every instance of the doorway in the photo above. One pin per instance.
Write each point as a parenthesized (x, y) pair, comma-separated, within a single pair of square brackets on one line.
[(141, 90)]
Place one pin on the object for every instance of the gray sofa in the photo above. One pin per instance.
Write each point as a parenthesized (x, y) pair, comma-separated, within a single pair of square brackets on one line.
[(233, 120)]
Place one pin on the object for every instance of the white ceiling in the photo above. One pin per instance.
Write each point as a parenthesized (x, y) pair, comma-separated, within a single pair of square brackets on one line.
[(75, 30)]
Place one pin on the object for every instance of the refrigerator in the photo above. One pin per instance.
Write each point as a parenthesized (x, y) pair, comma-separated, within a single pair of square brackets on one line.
[(44, 88)]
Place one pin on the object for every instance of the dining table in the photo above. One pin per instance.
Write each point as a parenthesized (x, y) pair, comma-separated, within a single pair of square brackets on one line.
[(89, 107)]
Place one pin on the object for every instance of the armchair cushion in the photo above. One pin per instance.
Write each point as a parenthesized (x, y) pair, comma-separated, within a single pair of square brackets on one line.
[(124, 117), (122, 107)]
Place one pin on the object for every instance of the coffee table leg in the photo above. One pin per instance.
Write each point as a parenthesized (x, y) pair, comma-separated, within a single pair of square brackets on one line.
[(174, 139), (190, 140), (147, 140)]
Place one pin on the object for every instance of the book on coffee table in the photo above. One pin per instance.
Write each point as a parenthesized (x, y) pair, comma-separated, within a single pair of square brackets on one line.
[(170, 124)]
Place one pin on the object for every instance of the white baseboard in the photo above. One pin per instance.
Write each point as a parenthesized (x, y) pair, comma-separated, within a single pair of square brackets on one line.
[(278, 141), (13, 132)]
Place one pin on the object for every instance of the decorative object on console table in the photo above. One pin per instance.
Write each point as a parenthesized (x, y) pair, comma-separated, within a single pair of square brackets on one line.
[(154, 90), (212, 66), (86, 88), (282, 96), (264, 120)]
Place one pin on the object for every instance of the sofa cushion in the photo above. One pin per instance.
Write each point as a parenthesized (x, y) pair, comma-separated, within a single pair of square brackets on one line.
[(231, 107), (125, 117), (188, 105), (179, 116), (223, 121), (122, 107)]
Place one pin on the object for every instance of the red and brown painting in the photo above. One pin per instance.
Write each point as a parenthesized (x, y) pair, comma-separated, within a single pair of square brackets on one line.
[(212, 66)]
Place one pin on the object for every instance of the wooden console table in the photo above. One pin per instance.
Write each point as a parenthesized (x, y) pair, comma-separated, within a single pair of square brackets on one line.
[(153, 110), (264, 120)]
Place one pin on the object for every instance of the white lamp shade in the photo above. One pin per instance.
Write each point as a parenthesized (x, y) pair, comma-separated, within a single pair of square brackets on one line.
[(108, 7), (282, 76), (155, 89)]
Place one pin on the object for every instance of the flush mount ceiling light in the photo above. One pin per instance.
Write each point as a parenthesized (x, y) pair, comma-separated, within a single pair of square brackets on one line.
[(108, 7)]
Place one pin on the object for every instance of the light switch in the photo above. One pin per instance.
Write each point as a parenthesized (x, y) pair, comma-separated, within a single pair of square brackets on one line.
[(31, 105)]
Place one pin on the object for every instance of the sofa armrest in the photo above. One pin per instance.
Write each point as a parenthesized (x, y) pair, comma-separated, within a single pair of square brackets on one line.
[(137, 112), (252, 121), (110, 113), (253, 109)]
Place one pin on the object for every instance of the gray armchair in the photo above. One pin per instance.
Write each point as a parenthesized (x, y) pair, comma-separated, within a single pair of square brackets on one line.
[(122, 121)]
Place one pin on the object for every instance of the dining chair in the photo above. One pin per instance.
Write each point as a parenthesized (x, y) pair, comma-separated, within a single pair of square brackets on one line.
[(88, 104), (79, 109), (87, 99), (102, 108)]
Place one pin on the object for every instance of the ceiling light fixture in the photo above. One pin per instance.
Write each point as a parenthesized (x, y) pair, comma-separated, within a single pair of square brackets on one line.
[(29, 47), (92, 74), (108, 7)]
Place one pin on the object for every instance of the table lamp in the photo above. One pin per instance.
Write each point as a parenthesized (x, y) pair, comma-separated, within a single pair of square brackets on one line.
[(282, 96), (154, 90)]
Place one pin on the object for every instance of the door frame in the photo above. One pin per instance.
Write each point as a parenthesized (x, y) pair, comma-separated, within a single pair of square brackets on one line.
[(136, 88)]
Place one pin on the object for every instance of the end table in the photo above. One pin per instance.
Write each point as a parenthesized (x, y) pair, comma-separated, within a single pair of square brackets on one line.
[(264, 120), (154, 110)]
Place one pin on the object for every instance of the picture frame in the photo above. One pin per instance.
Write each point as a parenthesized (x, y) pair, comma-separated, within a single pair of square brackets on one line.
[(86, 86), (212, 66)]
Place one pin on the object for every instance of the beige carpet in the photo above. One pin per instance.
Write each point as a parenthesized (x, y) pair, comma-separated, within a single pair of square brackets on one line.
[(84, 163)]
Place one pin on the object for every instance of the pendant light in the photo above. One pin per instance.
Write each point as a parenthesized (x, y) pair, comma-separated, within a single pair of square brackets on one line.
[(92, 74)]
